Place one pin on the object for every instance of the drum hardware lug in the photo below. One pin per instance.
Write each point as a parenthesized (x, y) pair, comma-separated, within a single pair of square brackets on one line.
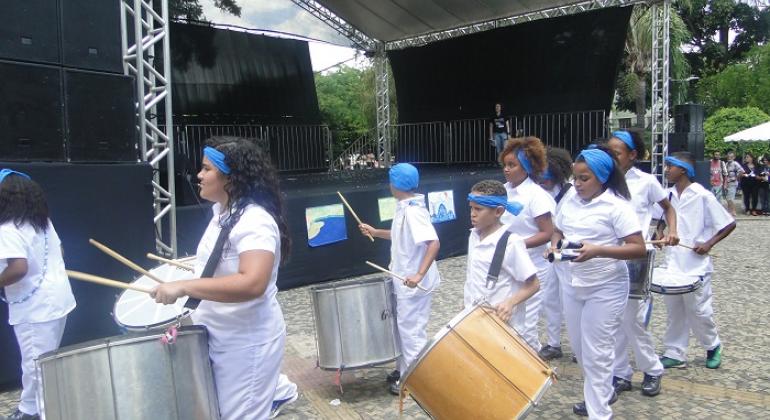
[(338, 379), (169, 336), (385, 314)]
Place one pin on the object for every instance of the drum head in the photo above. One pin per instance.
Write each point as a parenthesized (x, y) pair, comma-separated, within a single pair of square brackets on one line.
[(667, 283), (136, 310)]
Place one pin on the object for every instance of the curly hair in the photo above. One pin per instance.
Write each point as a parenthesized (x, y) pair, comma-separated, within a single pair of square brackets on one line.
[(22, 201), (489, 187), (253, 179), (617, 180), (534, 150), (559, 163)]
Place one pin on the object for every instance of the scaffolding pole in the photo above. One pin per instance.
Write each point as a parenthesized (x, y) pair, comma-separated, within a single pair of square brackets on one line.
[(382, 98), (661, 20)]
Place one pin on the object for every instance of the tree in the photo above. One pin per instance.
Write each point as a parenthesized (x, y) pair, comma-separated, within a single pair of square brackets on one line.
[(728, 121), (739, 85), (192, 9)]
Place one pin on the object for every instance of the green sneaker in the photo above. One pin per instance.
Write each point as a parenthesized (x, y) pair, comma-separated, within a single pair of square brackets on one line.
[(714, 357), (672, 363)]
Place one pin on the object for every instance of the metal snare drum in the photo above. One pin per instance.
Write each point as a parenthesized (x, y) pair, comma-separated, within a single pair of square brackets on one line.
[(670, 283), (640, 276), (354, 323), (127, 377)]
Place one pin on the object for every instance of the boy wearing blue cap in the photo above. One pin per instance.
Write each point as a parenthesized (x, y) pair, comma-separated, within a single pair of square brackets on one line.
[(413, 250), (701, 222)]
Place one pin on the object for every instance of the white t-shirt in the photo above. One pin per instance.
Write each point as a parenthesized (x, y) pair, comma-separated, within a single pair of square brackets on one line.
[(602, 221), (53, 299), (409, 233), (517, 267), (645, 192), (254, 322), (536, 202), (699, 217)]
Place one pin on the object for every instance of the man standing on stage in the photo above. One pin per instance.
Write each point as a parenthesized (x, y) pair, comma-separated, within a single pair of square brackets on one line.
[(499, 130)]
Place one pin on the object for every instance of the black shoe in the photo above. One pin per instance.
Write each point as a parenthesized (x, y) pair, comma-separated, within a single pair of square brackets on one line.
[(574, 359), (18, 415), (581, 410), (550, 353), (620, 384), (394, 388), (393, 376), (651, 385)]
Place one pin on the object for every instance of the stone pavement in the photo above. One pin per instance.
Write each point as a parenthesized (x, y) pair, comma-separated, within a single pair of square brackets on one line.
[(739, 389)]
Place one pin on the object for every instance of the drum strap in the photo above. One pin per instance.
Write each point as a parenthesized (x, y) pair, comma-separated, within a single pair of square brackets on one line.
[(497, 260), (211, 263), (563, 191)]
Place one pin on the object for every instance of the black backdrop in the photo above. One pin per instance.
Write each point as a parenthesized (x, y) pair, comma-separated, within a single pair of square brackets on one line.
[(552, 65)]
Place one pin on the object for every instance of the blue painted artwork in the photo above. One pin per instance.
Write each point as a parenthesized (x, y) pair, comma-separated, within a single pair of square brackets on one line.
[(441, 206), (325, 225)]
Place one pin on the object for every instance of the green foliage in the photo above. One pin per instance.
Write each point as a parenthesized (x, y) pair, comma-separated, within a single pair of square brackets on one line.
[(727, 121), (192, 9), (745, 84)]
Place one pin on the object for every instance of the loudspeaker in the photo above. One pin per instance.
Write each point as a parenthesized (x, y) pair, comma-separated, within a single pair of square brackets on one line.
[(688, 118), (693, 142), (703, 173), (91, 34), (100, 115), (30, 30), (31, 112)]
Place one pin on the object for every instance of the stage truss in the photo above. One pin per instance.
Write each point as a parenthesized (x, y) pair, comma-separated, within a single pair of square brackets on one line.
[(661, 126)]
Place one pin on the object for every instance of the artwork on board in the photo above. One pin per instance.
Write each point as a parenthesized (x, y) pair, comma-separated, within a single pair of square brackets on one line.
[(441, 205), (387, 206), (325, 225)]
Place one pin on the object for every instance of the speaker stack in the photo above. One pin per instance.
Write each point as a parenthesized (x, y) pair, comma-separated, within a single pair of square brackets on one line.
[(63, 95), (688, 136)]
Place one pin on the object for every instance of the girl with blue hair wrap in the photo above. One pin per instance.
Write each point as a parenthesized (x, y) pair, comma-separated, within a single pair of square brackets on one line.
[(595, 293), (524, 161)]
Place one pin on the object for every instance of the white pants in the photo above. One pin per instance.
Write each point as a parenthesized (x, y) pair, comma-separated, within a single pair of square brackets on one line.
[(552, 305), (412, 314), (592, 315), (690, 310), (285, 389), (35, 339), (633, 331), (247, 378)]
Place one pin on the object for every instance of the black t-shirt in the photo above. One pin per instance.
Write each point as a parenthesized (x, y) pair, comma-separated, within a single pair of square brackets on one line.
[(498, 124)]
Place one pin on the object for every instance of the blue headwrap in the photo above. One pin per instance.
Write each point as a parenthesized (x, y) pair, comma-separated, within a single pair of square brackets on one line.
[(217, 158), (625, 137), (682, 164), (599, 162), (547, 174), (5, 172), (404, 177), (495, 201), (524, 161)]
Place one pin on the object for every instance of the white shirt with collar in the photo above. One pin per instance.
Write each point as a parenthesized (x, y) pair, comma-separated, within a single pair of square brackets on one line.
[(53, 299), (602, 221), (409, 233), (254, 322), (517, 267), (536, 202), (646, 191), (699, 216)]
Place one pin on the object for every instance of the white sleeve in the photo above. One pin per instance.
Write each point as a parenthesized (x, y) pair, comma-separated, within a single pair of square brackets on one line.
[(542, 203), (624, 220), (418, 222), (517, 261), (255, 231), (715, 214), (12, 242), (656, 193)]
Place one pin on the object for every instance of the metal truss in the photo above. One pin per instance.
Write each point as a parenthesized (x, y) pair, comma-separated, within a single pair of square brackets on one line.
[(361, 40), (382, 98), (146, 56), (661, 20)]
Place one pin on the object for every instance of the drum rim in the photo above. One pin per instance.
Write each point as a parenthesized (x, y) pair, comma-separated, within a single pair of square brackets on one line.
[(363, 366), (347, 284)]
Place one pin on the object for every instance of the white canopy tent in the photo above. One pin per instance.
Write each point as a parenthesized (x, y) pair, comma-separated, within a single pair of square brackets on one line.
[(757, 133)]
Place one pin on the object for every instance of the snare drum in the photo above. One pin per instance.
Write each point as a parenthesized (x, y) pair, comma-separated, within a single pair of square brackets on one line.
[(668, 283), (640, 273), (137, 311), (477, 367)]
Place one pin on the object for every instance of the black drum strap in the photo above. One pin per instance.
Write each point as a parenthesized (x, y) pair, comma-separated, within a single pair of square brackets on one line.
[(497, 260), (211, 264), (563, 191)]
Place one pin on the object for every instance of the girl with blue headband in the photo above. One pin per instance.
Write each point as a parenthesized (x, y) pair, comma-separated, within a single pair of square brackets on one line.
[(238, 304), (523, 161), (645, 191), (598, 216), (33, 281)]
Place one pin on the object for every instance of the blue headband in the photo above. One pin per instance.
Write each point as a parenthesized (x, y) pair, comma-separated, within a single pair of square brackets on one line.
[(5, 172), (404, 177), (217, 158), (599, 162), (682, 164), (547, 174), (524, 161), (495, 201), (625, 137)]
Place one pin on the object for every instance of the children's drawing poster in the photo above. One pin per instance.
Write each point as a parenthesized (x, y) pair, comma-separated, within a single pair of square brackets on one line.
[(441, 205), (387, 206), (325, 225)]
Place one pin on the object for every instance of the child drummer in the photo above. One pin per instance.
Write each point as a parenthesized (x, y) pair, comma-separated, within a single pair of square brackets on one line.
[(516, 279), (413, 250)]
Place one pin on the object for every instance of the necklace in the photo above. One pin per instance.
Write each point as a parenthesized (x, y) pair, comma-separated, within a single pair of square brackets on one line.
[(39, 281)]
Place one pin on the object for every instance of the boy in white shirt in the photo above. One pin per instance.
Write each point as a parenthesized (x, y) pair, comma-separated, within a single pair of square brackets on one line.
[(517, 278), (413, 250), (702, 222)]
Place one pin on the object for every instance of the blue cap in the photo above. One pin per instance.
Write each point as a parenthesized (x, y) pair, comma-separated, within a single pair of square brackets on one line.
[(404, 177), (5, 172)]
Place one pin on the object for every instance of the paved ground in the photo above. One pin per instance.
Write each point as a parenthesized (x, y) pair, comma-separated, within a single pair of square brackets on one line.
[(739, 389)]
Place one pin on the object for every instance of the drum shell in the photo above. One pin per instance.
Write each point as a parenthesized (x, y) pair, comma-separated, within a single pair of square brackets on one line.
[(355, 323), (640, 275), (477, 367), (132, 376)]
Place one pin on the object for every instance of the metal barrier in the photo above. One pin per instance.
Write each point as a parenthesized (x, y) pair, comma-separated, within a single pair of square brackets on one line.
[(569, 130)]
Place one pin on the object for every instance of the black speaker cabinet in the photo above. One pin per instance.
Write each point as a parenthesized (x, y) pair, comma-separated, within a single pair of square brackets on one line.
[(693, 142), (30, 30), (688, 118), (91, 34), (31, 112), (703, 173), (100, 115)]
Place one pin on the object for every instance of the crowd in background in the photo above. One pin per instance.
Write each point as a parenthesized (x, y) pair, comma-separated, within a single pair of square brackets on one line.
[(749, 175)]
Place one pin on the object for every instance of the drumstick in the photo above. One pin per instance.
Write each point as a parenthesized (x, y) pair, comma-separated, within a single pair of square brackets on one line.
[(355, 216), (663, 242), (124, 260), (385, 270), (170, 262), (105, 282)]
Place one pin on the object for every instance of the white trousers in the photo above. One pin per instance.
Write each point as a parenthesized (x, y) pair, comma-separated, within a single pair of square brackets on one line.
[(690, 311), (285, 389), (247, 379), (412, 314), (35, 339), (633, 331), (552, 304), (592, 315)]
